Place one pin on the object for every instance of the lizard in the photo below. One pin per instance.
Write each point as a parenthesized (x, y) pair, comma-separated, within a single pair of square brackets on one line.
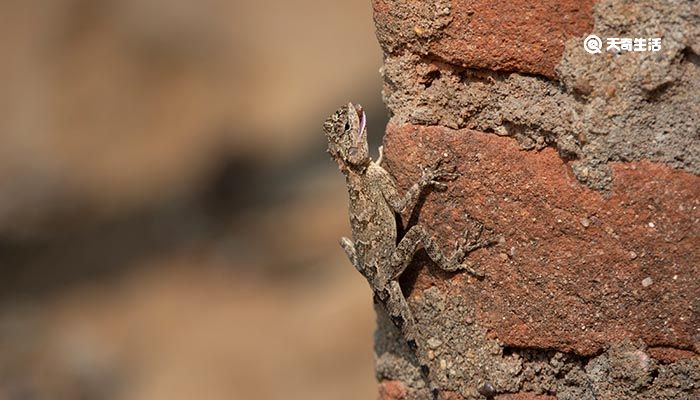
[(375, 202)]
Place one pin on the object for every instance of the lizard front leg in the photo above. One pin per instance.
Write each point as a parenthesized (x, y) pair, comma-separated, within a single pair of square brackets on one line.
[(431, 176), (350, 251)]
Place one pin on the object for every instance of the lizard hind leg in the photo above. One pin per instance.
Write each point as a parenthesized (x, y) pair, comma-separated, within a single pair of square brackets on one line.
[(417, 236)]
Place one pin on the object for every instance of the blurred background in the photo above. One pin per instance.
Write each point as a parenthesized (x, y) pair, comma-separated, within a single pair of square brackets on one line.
[(168, 215)]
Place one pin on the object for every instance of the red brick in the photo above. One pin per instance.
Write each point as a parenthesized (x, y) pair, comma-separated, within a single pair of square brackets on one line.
[(392, 390), (519, 35), (568, 271), (670, 355)]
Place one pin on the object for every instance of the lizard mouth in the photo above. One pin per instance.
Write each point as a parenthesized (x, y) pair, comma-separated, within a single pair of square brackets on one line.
[(363, 118)]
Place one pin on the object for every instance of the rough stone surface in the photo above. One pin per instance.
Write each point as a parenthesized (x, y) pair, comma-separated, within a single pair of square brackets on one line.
[(525, 396), (562, 310), (670, 354), (547, 260), (603, 107), (519, 35), (591, 288), (392, 390)]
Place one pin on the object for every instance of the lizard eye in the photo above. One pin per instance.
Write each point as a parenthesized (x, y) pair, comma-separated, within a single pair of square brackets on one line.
[(347, 126)]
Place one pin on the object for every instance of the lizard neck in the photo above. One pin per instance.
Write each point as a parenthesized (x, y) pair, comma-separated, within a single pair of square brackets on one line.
[(348, 169)]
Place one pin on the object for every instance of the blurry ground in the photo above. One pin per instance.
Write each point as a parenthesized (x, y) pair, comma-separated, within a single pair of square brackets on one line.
[(168, 218)]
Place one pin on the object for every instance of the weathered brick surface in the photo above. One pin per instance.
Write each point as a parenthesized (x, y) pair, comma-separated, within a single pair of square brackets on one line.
[(525, 396), (591, 289), (574, 269), (392, 390), (670, 354), (523, 36)]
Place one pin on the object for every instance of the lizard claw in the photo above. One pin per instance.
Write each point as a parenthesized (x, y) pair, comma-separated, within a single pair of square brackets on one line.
[(461, 242), (468, 267), (435, 174), (438, 185)]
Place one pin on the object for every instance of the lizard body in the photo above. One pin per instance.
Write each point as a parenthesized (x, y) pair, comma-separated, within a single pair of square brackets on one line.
[(374, 203)]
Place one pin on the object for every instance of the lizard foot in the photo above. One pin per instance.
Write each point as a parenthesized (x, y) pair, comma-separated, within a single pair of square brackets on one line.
[(436, 173)]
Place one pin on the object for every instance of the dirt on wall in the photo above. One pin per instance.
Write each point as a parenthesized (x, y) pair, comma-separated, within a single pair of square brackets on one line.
[(576, 276), (586, 168), (594, 109)]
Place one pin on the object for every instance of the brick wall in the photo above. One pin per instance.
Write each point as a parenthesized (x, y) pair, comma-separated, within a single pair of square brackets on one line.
[(584, 166)]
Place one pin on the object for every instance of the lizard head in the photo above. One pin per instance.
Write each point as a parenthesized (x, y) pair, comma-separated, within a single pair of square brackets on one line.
[(346, 130)]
